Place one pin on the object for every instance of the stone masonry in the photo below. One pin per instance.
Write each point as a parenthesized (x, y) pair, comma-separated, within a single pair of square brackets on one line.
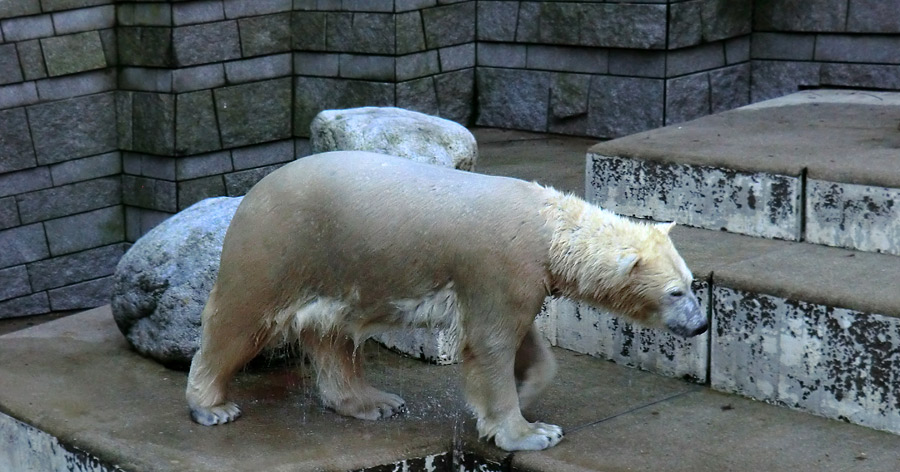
[(116, 114)]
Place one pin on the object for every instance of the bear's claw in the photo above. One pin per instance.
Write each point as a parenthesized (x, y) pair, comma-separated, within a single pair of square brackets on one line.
[(219, 414)]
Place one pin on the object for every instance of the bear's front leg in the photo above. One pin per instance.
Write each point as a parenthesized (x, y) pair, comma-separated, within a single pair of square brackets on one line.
[(488, 369)]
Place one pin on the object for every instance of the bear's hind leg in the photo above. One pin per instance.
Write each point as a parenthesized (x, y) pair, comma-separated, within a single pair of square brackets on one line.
[(341, 381), (228, 341), (535, 367)]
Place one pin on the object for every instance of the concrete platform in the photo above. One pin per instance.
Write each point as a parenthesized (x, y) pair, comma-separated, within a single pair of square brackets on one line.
[(820, 166), (109, 409)]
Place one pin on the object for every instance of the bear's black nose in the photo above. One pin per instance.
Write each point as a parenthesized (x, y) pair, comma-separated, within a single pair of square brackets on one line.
[(699, 330)]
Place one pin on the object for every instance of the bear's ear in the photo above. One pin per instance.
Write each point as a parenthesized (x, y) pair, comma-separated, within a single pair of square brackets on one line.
[(664, 228), (626, 263)]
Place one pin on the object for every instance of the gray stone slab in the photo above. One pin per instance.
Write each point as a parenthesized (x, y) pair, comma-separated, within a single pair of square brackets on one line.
[(280, 421), (61, 132), (196, 130), (192, 167), (22, 181), (9, 213), (9, 9), (144, 14), (22, 442), (568, 59), (97, 228), (262, 155), (418, 95), (875, 76), (316, 64), (189, 79), (192, 191), (676, 434), (158, 167), (456, 94), (124, 119), (773, 79), (687, 97), (87, 168), (17, 95), (73, 268), (152, 117), (449, 25), (737, 50), (623, 25), (794, 15), (145, 79), (139, 221), (34, 304), (254, 113), (73, 53), (314, 94), (502, 55), (457, 57), (723, 19), (368, 67), (685, 25), (81, 296), (238, 183), (151, 194), (635, 62), (241, 8), (69, 199), (10, 70), (757, 204), (569, 95), (205, 43), (14, 282), (364, 33), (87, 83), (624, 105), (798, 47), (497, 21), (872, 16), (260, 68), (145, 46), (410, 32), (309, 30), (184, 13), (695, 59), (22, 244), (31, 59), (16, 150), (502, 90), (729, 87), (27, 27), (417, 65), (816, 130), (860, 217), (84, 19), (268, 34), (831, 362), (881, 49)]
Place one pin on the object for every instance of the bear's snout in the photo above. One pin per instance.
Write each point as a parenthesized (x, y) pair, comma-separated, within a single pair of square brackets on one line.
[(685, 318)]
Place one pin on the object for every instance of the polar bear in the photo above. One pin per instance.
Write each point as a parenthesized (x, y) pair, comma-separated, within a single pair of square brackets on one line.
[(335, 247)]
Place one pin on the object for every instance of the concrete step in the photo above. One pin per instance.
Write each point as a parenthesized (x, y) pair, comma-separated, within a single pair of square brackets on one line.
[(820, 166), (73, 396), (800, 325)]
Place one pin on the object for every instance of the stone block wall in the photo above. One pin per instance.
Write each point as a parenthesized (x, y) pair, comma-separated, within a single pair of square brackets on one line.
[(607, 69), (418, 55), (61, 218), (824, 43), (116, 114), (204, 102)]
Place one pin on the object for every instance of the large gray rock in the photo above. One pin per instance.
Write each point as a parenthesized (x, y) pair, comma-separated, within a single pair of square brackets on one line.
[(161, 284), (395, 131)]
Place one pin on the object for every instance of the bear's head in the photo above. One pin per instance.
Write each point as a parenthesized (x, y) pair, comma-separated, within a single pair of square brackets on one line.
[(629, 268)]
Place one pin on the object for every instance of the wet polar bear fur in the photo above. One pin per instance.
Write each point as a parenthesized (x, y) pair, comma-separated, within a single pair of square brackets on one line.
[(335, 247)]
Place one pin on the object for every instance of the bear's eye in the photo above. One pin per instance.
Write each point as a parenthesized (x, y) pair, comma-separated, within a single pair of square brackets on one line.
[(676, 293)]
